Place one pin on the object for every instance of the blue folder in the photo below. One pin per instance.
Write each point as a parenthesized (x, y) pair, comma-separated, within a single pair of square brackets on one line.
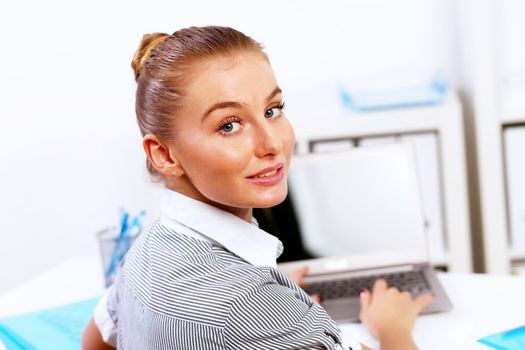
[(513, 339), (425, 95), (58, 328)]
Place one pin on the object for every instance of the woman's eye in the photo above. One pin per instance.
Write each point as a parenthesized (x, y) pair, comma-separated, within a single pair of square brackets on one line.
[(274, 111), (231, 127), (271, 112)]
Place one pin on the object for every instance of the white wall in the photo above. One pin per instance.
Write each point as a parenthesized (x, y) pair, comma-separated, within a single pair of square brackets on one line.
[(70, 152)]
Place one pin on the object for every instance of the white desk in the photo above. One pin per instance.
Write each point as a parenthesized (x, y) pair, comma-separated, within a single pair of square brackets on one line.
[(482, 304)]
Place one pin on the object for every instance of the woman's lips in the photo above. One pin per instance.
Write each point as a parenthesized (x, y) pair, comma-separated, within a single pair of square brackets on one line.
[(268, 176)]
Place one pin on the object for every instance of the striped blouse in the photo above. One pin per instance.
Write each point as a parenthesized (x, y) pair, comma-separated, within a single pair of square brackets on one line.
[(202, 278)]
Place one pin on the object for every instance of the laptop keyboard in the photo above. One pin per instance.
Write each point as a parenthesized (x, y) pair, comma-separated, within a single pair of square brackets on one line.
[(411, 281)]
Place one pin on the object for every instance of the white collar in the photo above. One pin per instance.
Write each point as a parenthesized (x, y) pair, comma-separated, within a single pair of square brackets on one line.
[(206, 222)]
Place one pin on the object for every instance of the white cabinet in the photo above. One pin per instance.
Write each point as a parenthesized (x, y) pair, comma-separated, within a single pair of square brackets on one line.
[(493, 45), (438, 136), (514, 149)]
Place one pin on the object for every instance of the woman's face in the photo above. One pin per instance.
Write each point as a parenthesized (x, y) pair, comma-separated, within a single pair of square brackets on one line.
[(231, 138)]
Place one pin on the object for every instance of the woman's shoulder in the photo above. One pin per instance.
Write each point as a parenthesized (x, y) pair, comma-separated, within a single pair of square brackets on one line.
[(168, 269), (161, 252)]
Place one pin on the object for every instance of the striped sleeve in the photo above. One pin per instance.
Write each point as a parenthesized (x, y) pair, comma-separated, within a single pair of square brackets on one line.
[(103, 320), (274, 316)]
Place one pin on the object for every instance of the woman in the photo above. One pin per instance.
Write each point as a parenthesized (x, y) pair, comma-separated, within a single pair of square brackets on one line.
[(204, 275)]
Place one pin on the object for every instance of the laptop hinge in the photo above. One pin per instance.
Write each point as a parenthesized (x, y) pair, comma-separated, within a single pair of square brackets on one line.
[(359, 273)]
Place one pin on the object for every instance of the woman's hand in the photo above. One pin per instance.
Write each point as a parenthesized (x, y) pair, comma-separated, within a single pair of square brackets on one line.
[(92, 340), (298, 277), (390, 315)]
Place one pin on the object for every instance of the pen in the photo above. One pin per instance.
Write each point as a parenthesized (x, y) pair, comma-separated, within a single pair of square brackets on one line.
[(124, 217), (123, 241)]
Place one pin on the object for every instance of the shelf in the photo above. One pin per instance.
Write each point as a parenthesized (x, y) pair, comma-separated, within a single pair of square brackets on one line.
[(351, 124), (516, 255), (511, 120), (498, 86), (518, 268)]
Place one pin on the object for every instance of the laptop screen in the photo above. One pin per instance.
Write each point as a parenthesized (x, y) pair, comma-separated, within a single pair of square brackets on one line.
[(364, 203)]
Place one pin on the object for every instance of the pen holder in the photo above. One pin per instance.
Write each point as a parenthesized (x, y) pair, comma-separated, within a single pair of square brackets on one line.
[(112, 251)]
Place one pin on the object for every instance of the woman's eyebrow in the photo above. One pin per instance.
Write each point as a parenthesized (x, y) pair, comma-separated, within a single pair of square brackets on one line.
[(233, 104), (274, 93), (221, 105)]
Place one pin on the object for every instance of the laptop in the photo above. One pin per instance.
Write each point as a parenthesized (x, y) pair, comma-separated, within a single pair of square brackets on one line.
[(360, 212)]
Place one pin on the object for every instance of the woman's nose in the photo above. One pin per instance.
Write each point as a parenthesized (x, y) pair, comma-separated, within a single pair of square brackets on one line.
[(267, 141)]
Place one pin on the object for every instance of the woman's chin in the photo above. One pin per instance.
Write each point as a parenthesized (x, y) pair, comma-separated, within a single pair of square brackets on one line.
[(268, 200)]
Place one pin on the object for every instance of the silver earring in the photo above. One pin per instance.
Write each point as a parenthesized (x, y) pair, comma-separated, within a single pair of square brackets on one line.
[(173, 173)]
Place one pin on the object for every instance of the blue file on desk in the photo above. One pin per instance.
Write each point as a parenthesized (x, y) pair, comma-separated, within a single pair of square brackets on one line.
[(513, 339), (59, 328)]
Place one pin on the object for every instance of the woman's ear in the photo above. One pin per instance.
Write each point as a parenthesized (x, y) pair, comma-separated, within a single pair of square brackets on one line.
[(160, 156)]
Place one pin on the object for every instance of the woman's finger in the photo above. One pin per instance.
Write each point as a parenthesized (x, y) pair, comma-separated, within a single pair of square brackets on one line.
[(298, 275), (423, 301), (316, 298), (380, 285), (364, 299)]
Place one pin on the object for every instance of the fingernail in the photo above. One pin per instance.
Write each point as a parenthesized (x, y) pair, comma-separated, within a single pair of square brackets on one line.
[(316, 298)]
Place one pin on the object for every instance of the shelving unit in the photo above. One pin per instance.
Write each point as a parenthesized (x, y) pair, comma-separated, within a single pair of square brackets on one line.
[(495, 108), (329, 121)]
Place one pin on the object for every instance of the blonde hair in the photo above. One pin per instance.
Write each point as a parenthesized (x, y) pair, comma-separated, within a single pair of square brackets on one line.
[(148, 42), (161, 67)]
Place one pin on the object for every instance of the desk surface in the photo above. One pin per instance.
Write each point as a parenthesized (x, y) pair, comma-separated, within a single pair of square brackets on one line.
[(483, 304)]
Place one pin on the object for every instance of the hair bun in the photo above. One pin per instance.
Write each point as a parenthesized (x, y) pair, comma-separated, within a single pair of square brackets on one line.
[(148, 43)]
